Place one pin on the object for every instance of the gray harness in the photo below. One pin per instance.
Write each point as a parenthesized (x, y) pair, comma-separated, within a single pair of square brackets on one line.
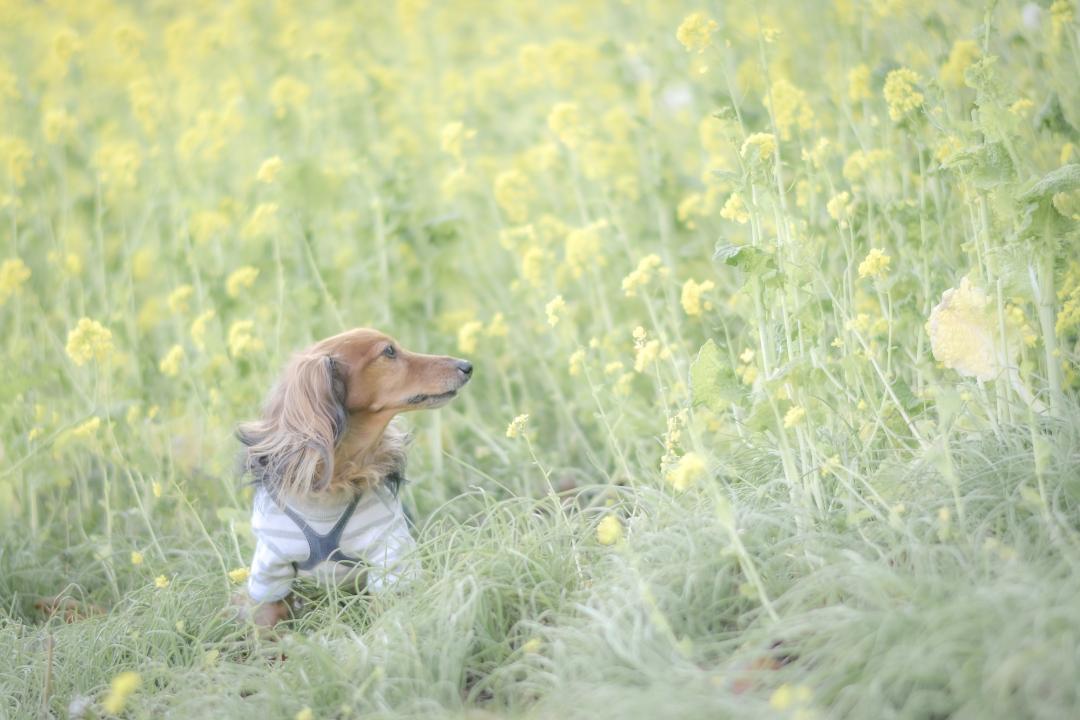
[(324, 547)]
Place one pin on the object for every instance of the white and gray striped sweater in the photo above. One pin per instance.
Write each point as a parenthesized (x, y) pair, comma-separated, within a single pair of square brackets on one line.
[(333, 544)]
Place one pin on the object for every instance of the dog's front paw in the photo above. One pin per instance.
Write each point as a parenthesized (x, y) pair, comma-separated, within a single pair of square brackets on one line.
[(262, 615)]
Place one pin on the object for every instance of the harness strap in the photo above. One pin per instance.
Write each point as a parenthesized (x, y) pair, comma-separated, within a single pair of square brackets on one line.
[(322, 547)]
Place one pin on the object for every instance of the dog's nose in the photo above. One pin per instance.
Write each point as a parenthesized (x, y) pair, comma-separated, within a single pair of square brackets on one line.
[(465, 367)]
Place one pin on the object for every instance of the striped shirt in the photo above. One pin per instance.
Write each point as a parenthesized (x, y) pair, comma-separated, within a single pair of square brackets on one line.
[(364, 542)]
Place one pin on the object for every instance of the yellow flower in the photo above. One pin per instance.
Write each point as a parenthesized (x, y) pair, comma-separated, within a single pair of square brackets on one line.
[(120, 689), (962, 55), (646, 354), (207, 224), (582, 249), (532, 645), (118, 163), (89, 340), (565, 121), (875, 264), (786, 697), (136, 557), (269, 169), (288, 93), (305, 714), (198, 329), (467, 336), (452, 138), (513, 193), (695, 31), (161, 582), (178, 299), (962, 333), (840, 208), (641, 276), (789, 108), (241, 340), (15, 157), (86, 429), (239, 575), (240, 279), (901, 94), (690, 468), (532, 265), (690, 207), (497, 327), (517, 426), (795, 415), (261, 222), (13, 273), (859, 83), (576, 362), (759, 146), (552, 309), (609, 531), (155, 487), (735, 209), (691, 296), (170, 363), (57, 125), (1022, 108)]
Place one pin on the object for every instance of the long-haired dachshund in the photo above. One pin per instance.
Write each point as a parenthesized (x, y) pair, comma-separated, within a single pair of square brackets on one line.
[(327, 463)]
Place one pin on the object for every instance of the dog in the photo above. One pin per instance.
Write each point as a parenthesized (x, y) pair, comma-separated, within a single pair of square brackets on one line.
[(327, 460)]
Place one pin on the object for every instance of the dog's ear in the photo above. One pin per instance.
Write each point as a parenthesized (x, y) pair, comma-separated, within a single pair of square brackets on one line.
[(290, 450)]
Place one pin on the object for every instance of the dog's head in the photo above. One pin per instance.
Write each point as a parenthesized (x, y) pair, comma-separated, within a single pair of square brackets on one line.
[(356, 380)]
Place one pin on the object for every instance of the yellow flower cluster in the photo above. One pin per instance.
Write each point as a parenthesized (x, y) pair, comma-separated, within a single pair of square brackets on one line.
[(262, 222), (553, 308), (962, 55), (794, 416), (240, 279), (241, 340), (695, 31), (565, 121), (840, 208), (468, 335), (789, 107), (858, 79), (641, 276), (517, 426), (122, 687), (758, 146), (239, 575), (875, 264), (269, 169), (901, 94), (690, 469), (13, 273), (609, 531), (170, 363), (645, 351), (514, 193), (691, 296), (735, 209), (89, 340), (583, 247)]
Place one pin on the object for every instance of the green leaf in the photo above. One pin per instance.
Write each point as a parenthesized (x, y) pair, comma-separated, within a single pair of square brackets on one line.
[(712, 382), (1064, 179), (745, 257)]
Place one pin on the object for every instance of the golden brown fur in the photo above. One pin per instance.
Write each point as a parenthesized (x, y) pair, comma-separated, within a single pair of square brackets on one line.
[(326, 428)]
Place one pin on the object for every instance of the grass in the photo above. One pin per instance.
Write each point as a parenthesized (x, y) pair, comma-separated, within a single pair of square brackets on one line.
[(795, 321)]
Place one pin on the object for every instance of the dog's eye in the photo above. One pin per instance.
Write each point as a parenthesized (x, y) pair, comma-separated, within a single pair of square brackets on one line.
[(389, 351)]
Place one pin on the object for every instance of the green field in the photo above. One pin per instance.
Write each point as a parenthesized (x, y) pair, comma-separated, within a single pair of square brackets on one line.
[(789, 293)]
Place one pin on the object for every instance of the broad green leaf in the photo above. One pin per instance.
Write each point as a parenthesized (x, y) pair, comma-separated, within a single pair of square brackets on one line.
[(712, 381)]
